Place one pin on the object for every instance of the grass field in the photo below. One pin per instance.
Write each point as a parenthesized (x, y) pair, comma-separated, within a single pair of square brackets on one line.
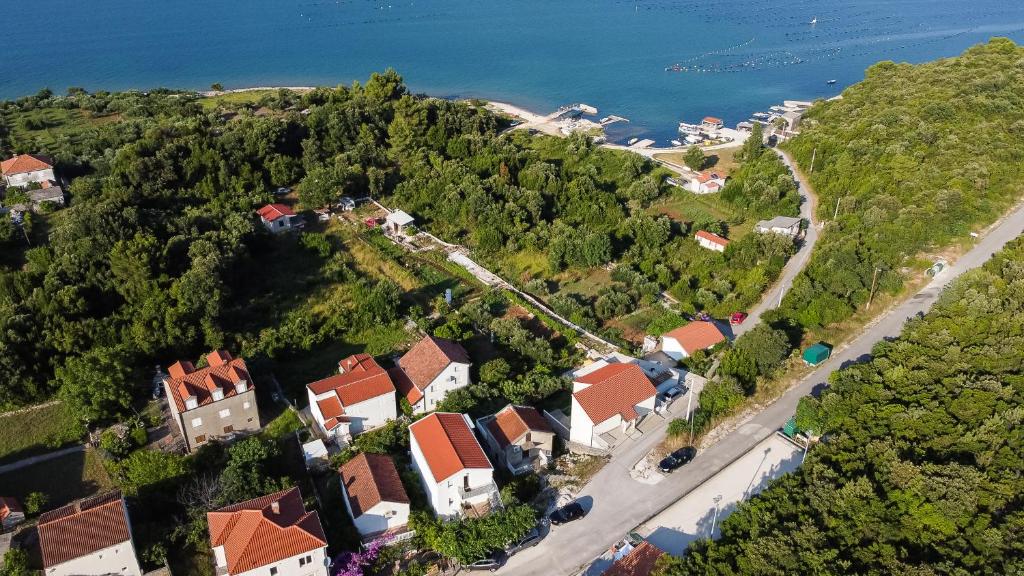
[(62, 479), (235, 98), (721, 160), (36, 431), (53, 128)]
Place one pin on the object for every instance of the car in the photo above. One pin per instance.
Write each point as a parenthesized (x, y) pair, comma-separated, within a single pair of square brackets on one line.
[(672, 393), (676, 459), (490, 564), (737, 318), (568, 513), (283, 190), (529, 540)]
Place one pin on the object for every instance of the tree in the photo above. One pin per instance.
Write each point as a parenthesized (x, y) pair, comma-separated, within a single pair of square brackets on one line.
[(766, 346), (694, 158), (322, 186), (471, 539), (35, 502), (494, 371), (150, 471), (246, 475), (97, 384), (16, 563), (217, 87)]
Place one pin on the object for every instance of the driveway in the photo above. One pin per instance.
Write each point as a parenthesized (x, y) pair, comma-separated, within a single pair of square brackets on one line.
[(620, 503)]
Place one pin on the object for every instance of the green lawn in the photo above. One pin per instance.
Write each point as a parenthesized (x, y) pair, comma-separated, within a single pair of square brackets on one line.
[(62, 479), (36, 431), (56, 128), (233, 99)]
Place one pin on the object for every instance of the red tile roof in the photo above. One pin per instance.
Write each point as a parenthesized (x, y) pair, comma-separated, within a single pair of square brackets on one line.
[(448, 444), (83, 527), (332, 411), (256, 533), (713, 238), (697, 335), (405, 387), (272, 212), (614, 389), (8, 506), (429, 357), (370, 479), (707, 176), (223, 371), (711, 120), (639, 562), (362, 379), (512, 422), (24, 163)]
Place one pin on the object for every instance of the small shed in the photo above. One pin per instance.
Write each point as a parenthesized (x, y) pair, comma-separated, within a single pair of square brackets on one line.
[(315, 454), (398, 222), (817, 354), (347, 204)]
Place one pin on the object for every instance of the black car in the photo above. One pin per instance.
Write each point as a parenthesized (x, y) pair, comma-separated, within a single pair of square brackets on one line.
[(490, 564), (529, 540), (677, 459), (568, 513)]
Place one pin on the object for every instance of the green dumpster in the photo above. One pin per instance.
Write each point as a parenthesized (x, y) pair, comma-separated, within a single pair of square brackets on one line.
[(789, 428), (817, 354)]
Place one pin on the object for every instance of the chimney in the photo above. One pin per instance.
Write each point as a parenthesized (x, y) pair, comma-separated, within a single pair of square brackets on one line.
[(241, 386), (218, 394), (191, 403), (275, 507)]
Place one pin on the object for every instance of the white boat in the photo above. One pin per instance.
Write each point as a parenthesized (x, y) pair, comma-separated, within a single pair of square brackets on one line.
[(677, 143), (761, 115), (633, 141), (814, 21)]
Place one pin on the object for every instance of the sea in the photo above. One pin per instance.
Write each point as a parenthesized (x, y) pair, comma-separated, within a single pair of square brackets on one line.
[(655, 62)]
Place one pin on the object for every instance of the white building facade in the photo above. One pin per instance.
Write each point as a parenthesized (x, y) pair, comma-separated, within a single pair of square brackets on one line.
[(455, 473)]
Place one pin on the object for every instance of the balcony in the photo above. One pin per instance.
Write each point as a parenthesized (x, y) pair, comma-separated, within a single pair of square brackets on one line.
[(476, 493)]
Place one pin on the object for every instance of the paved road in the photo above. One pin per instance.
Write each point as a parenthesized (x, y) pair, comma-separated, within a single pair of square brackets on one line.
[(619, 503), (808, 205), (41, 458)]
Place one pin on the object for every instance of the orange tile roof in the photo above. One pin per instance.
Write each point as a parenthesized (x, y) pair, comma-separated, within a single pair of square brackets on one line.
[(254, 534), (614, 389), (24, 163), (429, 357), (697, 335), (713, 238), (8, 506), (83, 527), (639, 562), (272, 212), (362, 379), (711, 120), (448, 444), (405, 387), (512, 422), (332, 411), (223, 371), (370, 479)]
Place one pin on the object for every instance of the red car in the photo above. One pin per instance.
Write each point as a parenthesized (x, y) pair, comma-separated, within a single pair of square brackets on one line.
[(737, 318)]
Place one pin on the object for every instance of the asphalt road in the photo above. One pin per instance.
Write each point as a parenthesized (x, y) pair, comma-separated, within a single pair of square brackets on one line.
[(618, 503)]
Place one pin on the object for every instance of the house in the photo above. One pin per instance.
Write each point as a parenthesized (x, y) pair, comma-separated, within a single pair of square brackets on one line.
[(89, 537), (609, 402), (212, 402), (640, 561), (50, 192), (398, 222), (712, 123), (456, 474), (272, 535), (360, 397), (518, 438), (24, 169), (11, 513), (710, 241), (685, 340), (277, 218), (374, 495), (432, 368), (663, 375), (705, 182), (786, 225)]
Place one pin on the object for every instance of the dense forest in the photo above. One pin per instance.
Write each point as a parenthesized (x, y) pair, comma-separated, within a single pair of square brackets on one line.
[(914, 157), (919, 471)]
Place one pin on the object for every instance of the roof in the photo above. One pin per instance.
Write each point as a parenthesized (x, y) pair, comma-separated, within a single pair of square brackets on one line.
[(400, 218), (512, 422), (83, 527), (332, 411), (639, 562), (448, 444), (697, 335), (613, 390), (50, 193), (315, 449), (361, 379), (713, 238), (24, 163), (779, 222), (404, 385), (429, 357), (707, 176), (8, 506), (711, 120), (272, 212), (255, 533), (370, 479), (222, 372)]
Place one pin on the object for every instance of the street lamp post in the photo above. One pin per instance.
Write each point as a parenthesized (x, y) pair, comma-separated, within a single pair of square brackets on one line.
[(714, 519)]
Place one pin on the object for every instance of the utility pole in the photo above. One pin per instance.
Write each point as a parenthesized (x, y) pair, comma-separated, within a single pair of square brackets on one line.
[(714, 520), (813, 156), (807, 444), (874, 281), (689, 414), (836, 215)]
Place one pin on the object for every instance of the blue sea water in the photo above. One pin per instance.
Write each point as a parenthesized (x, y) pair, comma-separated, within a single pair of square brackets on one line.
[(739, 56)]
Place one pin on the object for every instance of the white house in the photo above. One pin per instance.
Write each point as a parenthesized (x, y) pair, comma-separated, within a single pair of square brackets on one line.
[(359, 398), (24, 169), (272, 535), (705, 182), (785, 225), (374, 495), (277, 218), (710, 241), (430, 370), (685, 340), (89, 537), (518, 438), (456, 474), (608, 403), (398, 222), (712, 123)]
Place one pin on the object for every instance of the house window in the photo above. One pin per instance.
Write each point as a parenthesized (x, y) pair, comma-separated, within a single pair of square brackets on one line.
[(224, 413), (197, 422), (246, 406), (201, 438), (306, 560), (229, 429), (273, 571), (528, 437), (391, 513)]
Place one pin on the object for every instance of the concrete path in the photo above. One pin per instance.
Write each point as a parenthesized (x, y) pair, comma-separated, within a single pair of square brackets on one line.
[(808, 205), (41, 458), (618, 503)]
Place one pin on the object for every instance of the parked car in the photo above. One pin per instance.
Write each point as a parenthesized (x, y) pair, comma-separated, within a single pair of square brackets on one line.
[(283, 190), (490, 564), (672, 393), (568, 513), (676, 459), (737, 318), (529, 540)]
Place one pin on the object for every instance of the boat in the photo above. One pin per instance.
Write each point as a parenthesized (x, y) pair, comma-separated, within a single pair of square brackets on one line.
[(632, 141), (831, 82), (677, 143), (761, 115), (813, 21)]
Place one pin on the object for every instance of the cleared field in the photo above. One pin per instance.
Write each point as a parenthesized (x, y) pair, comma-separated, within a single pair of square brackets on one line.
[(62, 479), (36, 431)]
